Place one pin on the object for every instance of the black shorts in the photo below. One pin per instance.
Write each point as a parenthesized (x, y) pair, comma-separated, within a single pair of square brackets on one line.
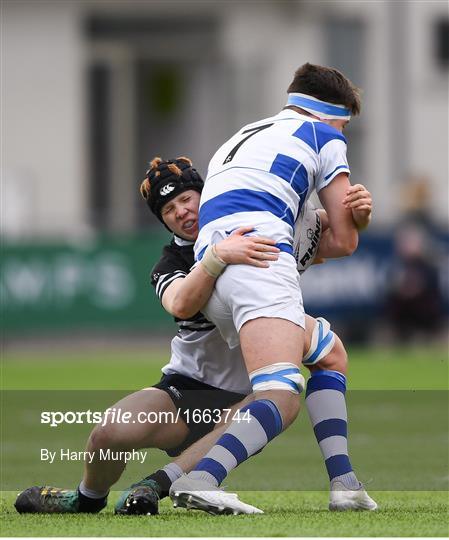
[(190, 395)]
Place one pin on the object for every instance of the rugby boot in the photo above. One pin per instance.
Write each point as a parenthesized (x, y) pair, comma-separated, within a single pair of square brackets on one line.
[(141, 498), (200, 495), (47, 500), (341, 498)]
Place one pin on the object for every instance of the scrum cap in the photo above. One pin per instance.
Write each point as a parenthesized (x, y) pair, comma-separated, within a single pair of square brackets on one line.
[(167, 179)]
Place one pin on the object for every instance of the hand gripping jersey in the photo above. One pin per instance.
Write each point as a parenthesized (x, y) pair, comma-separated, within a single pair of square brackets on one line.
[(198, 350), (265, 173)]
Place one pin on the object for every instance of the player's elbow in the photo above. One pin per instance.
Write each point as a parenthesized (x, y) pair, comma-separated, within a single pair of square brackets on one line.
[(347, 244), (351, 246), (177, 303), (181, 309)]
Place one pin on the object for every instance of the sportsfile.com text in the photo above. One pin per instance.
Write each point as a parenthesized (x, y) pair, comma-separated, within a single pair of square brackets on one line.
[(118, 416)]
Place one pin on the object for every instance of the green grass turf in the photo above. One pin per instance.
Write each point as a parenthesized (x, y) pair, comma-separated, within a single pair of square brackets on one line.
[(286, 514), (370, 369), (397, 438)]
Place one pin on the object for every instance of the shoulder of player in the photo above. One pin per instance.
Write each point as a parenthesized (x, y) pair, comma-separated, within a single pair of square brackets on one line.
[(169, 252), (176, 249), (326, 133), (170, 259), (317, 135), (174, 258)]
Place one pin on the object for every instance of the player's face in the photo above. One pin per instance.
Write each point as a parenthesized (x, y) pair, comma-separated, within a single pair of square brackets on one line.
[(337, 124), (181, 214)]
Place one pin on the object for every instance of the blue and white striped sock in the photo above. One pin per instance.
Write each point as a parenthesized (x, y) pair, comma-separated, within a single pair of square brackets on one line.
[(326, 405), (241, 440)]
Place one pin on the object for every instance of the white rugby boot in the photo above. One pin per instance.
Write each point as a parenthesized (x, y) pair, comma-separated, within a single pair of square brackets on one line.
[(201, 495), (341, 498)]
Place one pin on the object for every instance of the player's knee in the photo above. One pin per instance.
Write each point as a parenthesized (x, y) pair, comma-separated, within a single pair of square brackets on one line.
[(281, 383), (322, 342), (337, 359), (104, 437), (282, 376), (326, 349), (341, 357)]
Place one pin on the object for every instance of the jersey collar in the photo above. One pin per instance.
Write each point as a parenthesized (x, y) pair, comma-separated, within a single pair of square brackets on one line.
[(290, 113), (181, 242)]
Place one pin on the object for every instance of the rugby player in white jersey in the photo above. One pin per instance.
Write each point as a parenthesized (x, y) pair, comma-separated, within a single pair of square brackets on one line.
[(184, 295), (261, 178), (198, 358)]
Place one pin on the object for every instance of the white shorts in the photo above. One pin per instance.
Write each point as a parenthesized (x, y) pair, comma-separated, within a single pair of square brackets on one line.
[(244, 292)]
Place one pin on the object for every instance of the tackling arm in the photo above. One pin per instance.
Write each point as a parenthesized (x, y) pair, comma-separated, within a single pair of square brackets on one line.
[(184, 297)]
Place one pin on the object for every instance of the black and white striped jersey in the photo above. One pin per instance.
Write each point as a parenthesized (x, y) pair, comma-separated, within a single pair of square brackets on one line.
[(198, 350), (176, 262)]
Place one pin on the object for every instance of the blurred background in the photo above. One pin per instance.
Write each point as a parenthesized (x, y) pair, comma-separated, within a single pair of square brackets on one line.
[(92, 90)]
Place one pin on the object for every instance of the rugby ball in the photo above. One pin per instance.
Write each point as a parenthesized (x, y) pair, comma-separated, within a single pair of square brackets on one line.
[(307, 237)]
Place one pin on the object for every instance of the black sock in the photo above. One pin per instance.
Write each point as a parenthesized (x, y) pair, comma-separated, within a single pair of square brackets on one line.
[(164, 482), (89, 505)]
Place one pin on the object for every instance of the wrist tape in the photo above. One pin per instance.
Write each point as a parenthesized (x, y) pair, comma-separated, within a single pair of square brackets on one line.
[(212, 263)]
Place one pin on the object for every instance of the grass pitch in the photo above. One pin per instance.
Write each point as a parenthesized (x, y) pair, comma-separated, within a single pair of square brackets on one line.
[(398, 438), (286, 514)]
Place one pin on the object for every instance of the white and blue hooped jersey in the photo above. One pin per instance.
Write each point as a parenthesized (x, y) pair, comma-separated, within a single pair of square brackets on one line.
[(264, 174)]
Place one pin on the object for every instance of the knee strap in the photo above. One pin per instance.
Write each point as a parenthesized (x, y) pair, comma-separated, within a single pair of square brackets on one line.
[(322, 342), (279, 376)]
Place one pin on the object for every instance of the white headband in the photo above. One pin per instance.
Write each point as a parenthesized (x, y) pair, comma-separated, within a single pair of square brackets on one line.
[(322, 109)]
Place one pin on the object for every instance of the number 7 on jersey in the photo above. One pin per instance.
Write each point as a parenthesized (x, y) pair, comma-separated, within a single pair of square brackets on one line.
[(251, 131)]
